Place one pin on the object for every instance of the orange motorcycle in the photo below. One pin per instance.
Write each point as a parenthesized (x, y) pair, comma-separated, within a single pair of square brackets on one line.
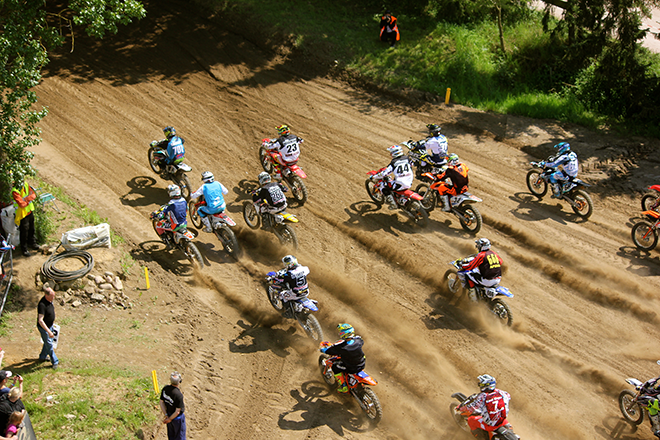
[(645, 232)]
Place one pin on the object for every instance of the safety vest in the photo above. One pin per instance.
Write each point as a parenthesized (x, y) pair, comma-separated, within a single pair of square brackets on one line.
[(21, 213)]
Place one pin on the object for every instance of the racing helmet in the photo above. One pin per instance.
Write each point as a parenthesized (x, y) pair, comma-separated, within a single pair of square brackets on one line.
[(264, 178), (453, 159), (483, 244), (434, 129), (283, 129), (346, 331), (290, 262), (486, 382), (563, 147), (207, 177), (169, 131), (395, 151), (174, 190)]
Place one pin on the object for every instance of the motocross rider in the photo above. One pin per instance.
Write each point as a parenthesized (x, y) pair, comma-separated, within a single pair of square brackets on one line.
[(457, 172), (172, 215), (566, 165), (401, 169), (287, 147), (651, 388), (436, 146), (173, 144), (484, 269), (270, 196), (489, 408), (351, 356), (293, 279), (213, 193)]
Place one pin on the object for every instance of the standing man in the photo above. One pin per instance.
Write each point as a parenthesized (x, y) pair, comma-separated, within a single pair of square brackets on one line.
[(171, 403), (389, 31), (24, 196), (45, 321)]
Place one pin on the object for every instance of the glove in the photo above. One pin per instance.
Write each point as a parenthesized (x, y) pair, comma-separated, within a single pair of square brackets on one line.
[(153, 143)]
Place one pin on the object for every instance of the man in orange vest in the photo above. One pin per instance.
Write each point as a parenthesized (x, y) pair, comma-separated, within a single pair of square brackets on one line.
[(389, 31), (24, 197)]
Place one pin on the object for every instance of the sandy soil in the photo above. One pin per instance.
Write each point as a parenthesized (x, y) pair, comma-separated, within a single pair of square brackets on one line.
[(585, 300)]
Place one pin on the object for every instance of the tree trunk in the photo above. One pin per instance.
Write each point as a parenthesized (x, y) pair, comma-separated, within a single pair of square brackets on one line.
[(499, 25)]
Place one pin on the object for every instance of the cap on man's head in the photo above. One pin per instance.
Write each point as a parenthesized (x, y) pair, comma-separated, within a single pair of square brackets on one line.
[(4, 374)]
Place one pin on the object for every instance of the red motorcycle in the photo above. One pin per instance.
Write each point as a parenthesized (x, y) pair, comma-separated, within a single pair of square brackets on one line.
[(220, 223), (292, 174), (358, 386), (645, 232), (407, 200), (651, 201)]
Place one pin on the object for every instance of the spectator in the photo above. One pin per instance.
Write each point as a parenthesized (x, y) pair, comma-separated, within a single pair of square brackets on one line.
[(171, 403), (4, 378), (24, 196), (389, 31), (15, 421), (9, 403), (45, 320)]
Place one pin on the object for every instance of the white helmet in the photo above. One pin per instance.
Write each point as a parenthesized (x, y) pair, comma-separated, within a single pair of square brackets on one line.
[(395, 151), (174, 191), (483, 244), (290, 262), (207, 177), (264, 178)]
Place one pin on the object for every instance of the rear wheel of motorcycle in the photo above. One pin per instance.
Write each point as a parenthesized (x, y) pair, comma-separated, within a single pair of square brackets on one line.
[(644, 236), (585, 207), (286, 235), (311, 325), (649, 201), (194, 255), (429, 198), (195, 218), (184, 183), (374, 192), (458, 418), (453, 282), (274, 298), (502, 311), (420, 217), (298, 189), (373, 410), (264, 160), (328, 377), (474, 222), (632, 412), (536, 184), (153, 162), (250, 215), (228, 240)]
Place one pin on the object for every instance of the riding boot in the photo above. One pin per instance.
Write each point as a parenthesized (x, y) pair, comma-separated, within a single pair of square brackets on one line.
[(446, 205), (342, 387), (472, 293), (556, 191), (166, 239), (390, 199), (207, 224)]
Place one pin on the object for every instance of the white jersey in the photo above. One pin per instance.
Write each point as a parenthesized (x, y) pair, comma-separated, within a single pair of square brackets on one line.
[(288, 146), (402, 173), (569, 163), (437, 146)]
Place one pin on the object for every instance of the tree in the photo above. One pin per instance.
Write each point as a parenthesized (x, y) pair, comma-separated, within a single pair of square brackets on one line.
[(28, 29)]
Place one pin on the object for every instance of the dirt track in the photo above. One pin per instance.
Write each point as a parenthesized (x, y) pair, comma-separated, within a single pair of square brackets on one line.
[(585, 305)]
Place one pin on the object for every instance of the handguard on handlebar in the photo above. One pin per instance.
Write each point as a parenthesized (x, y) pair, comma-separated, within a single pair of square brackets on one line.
[(324, 344)]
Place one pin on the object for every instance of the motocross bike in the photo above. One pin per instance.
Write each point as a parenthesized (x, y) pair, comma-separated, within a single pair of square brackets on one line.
[(420, 160), (275, 223), (175, 173), (645, 232), (571, 191), (292, 175), (408, 201), (633, 404), (651, 201), (292, 306), (461, 204), (487, 295), (358, 386), (460, 413), (181, 239), (220, 223)]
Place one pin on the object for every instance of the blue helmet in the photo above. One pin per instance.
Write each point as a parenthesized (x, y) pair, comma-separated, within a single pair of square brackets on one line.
[(486, 382), (346, 331), (563, 147)]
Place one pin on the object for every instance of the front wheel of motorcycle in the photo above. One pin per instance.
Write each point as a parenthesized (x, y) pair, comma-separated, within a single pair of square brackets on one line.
[(311, 325), (419, 215), (644, 236), (195, 218), (153, 162), (371, 405), (458, 418), (328, 376), (250, 215), (274, 298), (472, 221), (264, 160), (194, 255), (650, 201), (286, 235), (502, 311), (583, 207), (184, 183), (630, 410), (374, 192), (298, 189), (429, 198), (228, 240), (453, 282), (536, 184)]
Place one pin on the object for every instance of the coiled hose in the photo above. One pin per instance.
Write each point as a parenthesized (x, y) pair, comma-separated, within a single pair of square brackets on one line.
[(50, 271)]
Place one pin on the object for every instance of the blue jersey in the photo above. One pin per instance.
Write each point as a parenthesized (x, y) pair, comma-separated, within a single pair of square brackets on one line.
[(213, 195), (175, 212), (175, 150)]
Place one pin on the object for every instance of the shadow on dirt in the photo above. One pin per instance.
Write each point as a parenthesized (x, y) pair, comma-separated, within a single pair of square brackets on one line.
[(370, 217), (641, 262), (531, 208), (618, 428), (173, 261), (255, 338), (316, 412), (143, 192)]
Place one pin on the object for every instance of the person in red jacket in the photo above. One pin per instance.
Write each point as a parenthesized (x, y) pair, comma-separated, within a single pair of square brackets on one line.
[(489, 409), (24, 196), (484, 269), (389, 30)]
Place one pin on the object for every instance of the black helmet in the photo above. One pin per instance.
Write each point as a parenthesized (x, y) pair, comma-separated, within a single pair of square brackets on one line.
[(169, 131), (434, 129)]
